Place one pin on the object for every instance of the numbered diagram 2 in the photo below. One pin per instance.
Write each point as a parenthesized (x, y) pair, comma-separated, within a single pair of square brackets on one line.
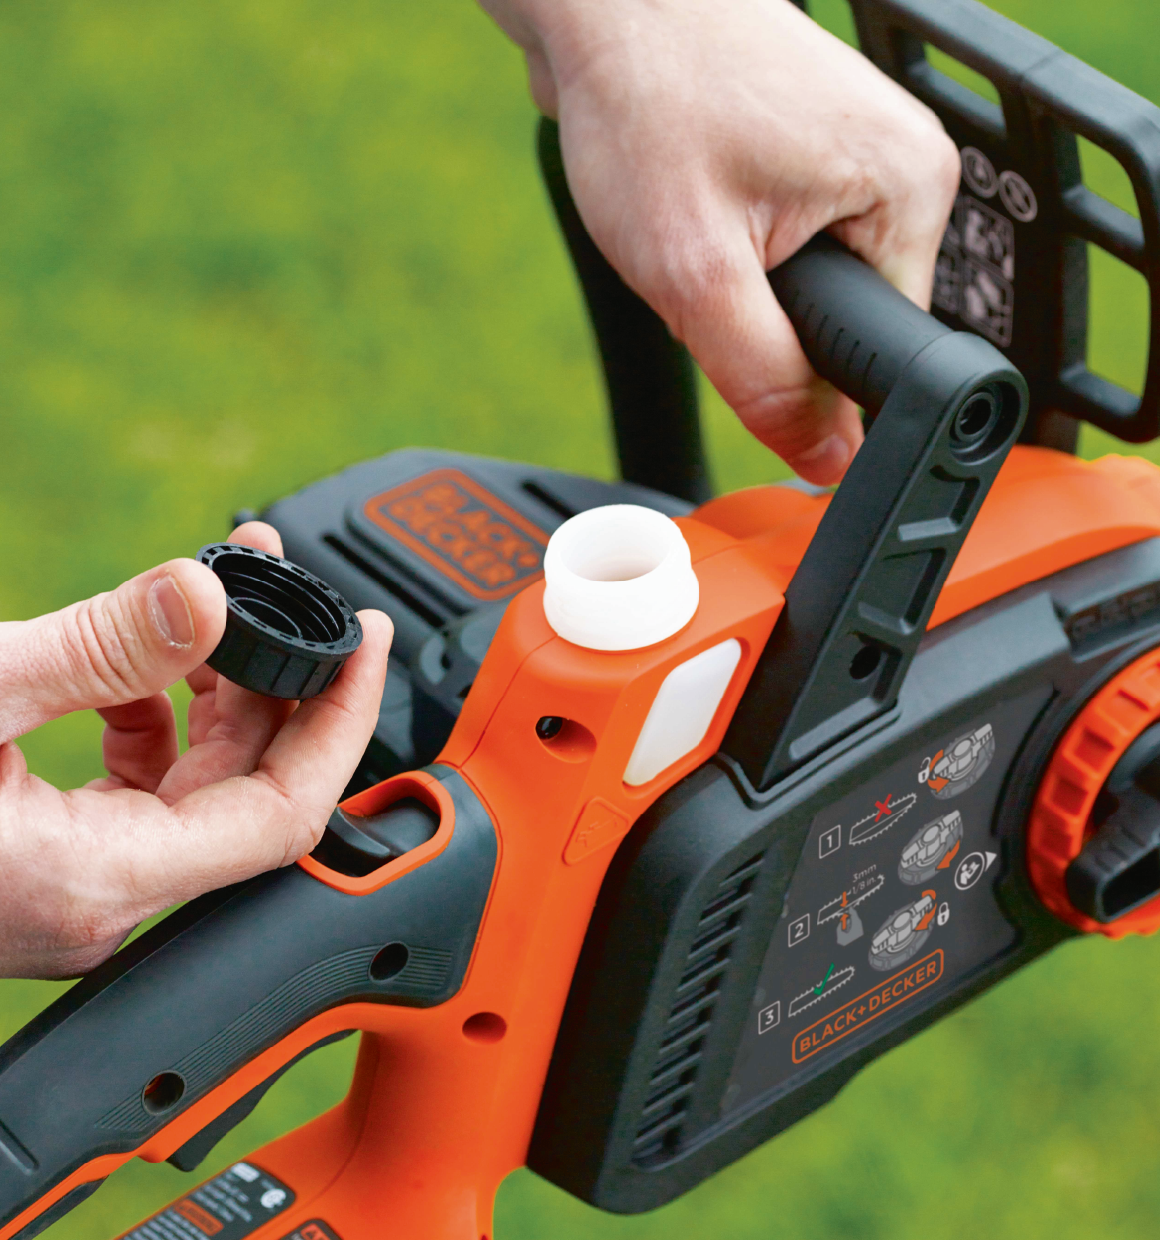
[(840, 906), (960, 765), (886, 813), (903, 933), (932, 849), (834, 978)]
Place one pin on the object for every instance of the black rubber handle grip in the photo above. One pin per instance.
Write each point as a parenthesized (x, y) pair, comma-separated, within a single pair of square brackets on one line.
[(950, 407), (858, 331), (189, 1003)]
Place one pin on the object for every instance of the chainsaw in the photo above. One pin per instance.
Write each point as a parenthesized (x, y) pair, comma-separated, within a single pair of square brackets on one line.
[(680, 810)]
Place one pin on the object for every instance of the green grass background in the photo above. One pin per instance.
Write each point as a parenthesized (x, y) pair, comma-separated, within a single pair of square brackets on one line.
[(245, 244)]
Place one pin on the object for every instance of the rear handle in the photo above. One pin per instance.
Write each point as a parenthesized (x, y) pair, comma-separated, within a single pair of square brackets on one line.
[(186, 1007)]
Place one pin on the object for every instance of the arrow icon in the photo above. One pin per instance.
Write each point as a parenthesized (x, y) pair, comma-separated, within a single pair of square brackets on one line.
[(990, 857), (945, 863), (922, 925)]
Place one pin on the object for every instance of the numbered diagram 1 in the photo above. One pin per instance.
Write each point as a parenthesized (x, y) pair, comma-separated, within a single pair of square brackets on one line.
[(960, 765), (886, 813), (932, 849), (833, 978), (903, 933)]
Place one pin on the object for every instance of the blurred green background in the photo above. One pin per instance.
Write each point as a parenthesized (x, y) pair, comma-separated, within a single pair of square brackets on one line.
[(248, 243)]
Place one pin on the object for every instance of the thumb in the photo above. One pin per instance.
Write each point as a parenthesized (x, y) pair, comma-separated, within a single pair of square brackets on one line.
[(111, 649), (745, 344)]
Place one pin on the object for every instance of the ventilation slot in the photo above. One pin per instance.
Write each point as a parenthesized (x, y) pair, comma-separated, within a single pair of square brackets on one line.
[(420, 608), (678, 1058), (547, 499)]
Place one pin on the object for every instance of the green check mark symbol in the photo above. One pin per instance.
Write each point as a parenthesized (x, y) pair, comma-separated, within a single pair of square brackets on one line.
[(818, 989)]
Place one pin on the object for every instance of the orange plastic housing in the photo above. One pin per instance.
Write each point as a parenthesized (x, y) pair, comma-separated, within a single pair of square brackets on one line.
[(1046, 511), (1060, 821), (443, 1100)]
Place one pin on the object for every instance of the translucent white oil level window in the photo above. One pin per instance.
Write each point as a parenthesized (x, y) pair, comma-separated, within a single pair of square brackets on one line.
[(682, 711)]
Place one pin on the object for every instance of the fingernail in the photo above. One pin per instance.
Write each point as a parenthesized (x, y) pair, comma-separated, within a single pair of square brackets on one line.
[(170, 611), (825, 461)]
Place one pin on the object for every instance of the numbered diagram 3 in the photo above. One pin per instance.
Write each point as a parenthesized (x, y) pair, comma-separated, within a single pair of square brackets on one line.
[(932, 849), (834, 977), (960, 765), (903, 933), (885, 814)]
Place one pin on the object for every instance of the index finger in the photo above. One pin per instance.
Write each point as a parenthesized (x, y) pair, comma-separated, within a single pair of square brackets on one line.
[(249, 823)]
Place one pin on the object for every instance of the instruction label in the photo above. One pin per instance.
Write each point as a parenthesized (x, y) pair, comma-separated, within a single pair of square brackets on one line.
[(892, 901), (228, 1207)]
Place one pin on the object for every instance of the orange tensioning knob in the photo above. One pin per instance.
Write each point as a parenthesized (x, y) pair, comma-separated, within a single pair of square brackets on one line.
[(1060, 822)]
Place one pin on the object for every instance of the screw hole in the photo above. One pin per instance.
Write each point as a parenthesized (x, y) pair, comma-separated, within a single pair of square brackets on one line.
[(865, 662), (485, 1027), (565, 738), (163, 1092), (390, 960), (983, 423), (974, 419)]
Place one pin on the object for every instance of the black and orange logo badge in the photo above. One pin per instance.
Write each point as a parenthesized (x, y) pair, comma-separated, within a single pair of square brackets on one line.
[(464, 531)]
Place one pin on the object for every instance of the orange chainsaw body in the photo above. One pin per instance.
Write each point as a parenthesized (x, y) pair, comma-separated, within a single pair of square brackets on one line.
[(443, 1099)]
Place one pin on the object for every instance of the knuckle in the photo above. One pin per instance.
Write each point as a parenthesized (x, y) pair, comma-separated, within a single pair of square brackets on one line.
[(299, 820), (95, 649), (947, 165), (792, 420), (689, 279)]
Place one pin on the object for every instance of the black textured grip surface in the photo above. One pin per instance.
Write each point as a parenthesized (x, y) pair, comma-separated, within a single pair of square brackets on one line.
[(215, 984), (858, 331)]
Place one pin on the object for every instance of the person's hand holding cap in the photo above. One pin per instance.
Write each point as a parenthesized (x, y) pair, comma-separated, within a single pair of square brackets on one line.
[(253, 791)]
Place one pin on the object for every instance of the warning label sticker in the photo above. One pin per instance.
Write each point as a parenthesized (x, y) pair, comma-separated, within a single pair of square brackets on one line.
[(228, 1207), (463, 530), (315, 1229), (868, 1006)]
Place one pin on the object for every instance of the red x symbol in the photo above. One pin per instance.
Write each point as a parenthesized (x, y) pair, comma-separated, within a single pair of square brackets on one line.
[(883, 807)]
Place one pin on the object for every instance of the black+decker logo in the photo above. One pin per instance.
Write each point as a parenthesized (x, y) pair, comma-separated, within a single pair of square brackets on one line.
[(464, 531)]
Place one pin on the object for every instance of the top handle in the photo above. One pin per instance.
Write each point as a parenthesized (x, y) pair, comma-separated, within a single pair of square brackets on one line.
[(950, 406), (858, 331), (1013, 266)]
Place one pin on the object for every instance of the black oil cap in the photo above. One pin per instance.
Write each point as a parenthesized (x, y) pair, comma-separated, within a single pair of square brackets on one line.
[(287, 633)]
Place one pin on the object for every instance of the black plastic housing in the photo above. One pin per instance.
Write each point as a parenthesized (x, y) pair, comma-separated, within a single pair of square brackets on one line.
[(325, 528), (640, 1103)]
